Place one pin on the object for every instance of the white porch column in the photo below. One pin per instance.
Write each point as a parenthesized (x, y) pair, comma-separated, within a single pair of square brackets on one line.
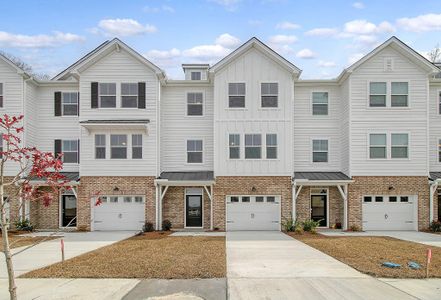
[(157, 206), (344, 194)]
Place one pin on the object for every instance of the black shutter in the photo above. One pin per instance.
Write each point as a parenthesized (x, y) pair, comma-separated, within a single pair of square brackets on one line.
[(78, 108), (57, 103), (57, 148), (78, 151), (141, 94), (94, 94)]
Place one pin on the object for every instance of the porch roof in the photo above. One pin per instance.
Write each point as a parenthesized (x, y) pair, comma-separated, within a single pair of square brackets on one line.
[(321, 177), (435, 175), (72, 177), (181, 178)]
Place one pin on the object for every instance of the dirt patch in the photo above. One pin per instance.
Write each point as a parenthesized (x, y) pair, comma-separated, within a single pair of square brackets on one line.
[(366, 254), (15, 240), (152, 255)]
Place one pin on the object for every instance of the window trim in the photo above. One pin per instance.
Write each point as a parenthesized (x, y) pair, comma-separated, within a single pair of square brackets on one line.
[(261, 95), (127, 146), (262, 147), (389, 95), (116, 95), (408, 146), (312, 150), (121, 95), (276, 146), (389, 145), (137, 146), (228, 96), (77, 152), (186, 104), (2, 106), (105, 146), (191, 75), (62, 104), (229, 146), (312, 103), (385, 146), (186, 151)]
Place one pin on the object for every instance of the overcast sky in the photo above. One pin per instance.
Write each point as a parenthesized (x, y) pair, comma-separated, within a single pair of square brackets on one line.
[(320, 37)]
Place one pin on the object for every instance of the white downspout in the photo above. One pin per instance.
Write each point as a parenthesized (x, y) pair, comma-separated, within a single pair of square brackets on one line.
[(157, 206)]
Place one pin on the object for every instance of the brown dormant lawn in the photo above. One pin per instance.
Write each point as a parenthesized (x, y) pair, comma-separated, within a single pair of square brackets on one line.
[(15, 240), (153, 255), (366, 254)]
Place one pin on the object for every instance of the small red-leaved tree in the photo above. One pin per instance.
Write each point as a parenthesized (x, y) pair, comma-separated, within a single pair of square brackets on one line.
[(28, 164)]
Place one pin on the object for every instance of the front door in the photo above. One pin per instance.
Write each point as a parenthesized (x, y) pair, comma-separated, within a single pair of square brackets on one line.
[(68, 211), (318, 209), (193, 213)]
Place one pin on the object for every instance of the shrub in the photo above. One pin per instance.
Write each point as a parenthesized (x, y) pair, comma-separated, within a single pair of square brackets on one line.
[(148, 227), (354, 228), (24, 225), (435, 226), (166, 225), (311, 225), (288, 224)]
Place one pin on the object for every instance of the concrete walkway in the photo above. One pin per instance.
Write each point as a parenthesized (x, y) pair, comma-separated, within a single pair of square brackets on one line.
[(425, 238), (272, 265), (47, 253)]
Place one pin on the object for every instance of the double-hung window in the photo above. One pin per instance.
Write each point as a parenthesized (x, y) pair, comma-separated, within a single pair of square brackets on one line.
[(236, 95), (271, 146), (194, 152), (377, 145), (107, 95), (439, 150), (399, 94), (253, 146), (1, 94), (196, 75), (234, 146), (136, 146), (194, 104), (399, 145), (129, 95), (69, 104), (320, 151), (320, 103), (377, 94), (269, 94), (118, 146), (100, 146), (70, 151)]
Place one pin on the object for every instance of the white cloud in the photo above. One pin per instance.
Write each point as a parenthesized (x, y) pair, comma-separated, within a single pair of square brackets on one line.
[(38, 41), (428, 22), (228, 41), (326, 32), (163, 54), (255, 22), (124, 27), (326, 64), (283, 39), (354, 58), (358, 5), (287, 26), (364, 27), (165, 8), (306, 54), (230, 5)]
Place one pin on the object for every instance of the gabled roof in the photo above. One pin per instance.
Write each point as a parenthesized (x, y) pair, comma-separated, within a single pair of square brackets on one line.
[(14, 66), (102, 50), (401, 47), (259, 45)]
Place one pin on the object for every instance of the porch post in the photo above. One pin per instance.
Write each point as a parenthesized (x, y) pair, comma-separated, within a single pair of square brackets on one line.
[(160, 205), (157, 206), (294, 199)]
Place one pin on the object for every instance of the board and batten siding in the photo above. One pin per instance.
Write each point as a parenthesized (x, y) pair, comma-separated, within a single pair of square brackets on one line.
[(253, 67), (177, 128), (434, 127), (411, 120), (119, 67), (345, 127), (308, 127)]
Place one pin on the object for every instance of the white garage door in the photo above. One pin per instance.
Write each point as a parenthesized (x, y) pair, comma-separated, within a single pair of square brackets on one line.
[(390, 212), (253, 213), (119, 213)]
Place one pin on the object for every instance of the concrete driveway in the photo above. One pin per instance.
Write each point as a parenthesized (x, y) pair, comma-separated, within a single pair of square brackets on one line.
[(272, 265), (47, 253)]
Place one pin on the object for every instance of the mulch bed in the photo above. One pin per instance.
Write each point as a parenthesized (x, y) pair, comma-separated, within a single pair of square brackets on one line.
[(151, 255), (366, 254)]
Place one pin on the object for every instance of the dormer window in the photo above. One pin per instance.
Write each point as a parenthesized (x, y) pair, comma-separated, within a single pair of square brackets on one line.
[(196, 75)]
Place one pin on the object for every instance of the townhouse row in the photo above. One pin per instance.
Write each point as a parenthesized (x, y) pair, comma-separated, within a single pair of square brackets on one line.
[(241, 145)]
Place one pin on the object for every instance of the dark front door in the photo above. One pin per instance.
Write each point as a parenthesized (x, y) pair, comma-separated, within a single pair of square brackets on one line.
[(69, 211), (318, 209), (193, 211)]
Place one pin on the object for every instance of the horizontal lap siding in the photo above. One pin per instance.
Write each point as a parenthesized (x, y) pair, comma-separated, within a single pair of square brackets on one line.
[(412, 120), (435, 128), (177, 127), (345, 127)]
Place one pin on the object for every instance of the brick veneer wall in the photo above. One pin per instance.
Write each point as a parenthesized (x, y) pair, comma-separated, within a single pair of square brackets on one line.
[(173, 206), (11, 191), (127, 185), (243, 185), (379, 185), (46, 217)]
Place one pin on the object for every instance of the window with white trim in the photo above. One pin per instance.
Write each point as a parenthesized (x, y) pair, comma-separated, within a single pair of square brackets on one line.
[(439, 150), (70, 151), (377, 94), (107, 95), (196, 75), (269, 94), (118, 146), (236, 95), (320, 103), (399, 145), (137, 146), (253, 146), (129, 95), (377, 145), (234, 146), (100, 146), (194, 151), (195, 104), (1, 94), (399, 94), (319, 151), (69, 102), (271, 146)]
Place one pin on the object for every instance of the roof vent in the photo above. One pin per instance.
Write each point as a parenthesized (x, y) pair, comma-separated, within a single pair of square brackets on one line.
[(388, 64)]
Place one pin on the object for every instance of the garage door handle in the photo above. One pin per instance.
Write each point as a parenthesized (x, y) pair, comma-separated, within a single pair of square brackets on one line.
[(120, 216), (386, 216)]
